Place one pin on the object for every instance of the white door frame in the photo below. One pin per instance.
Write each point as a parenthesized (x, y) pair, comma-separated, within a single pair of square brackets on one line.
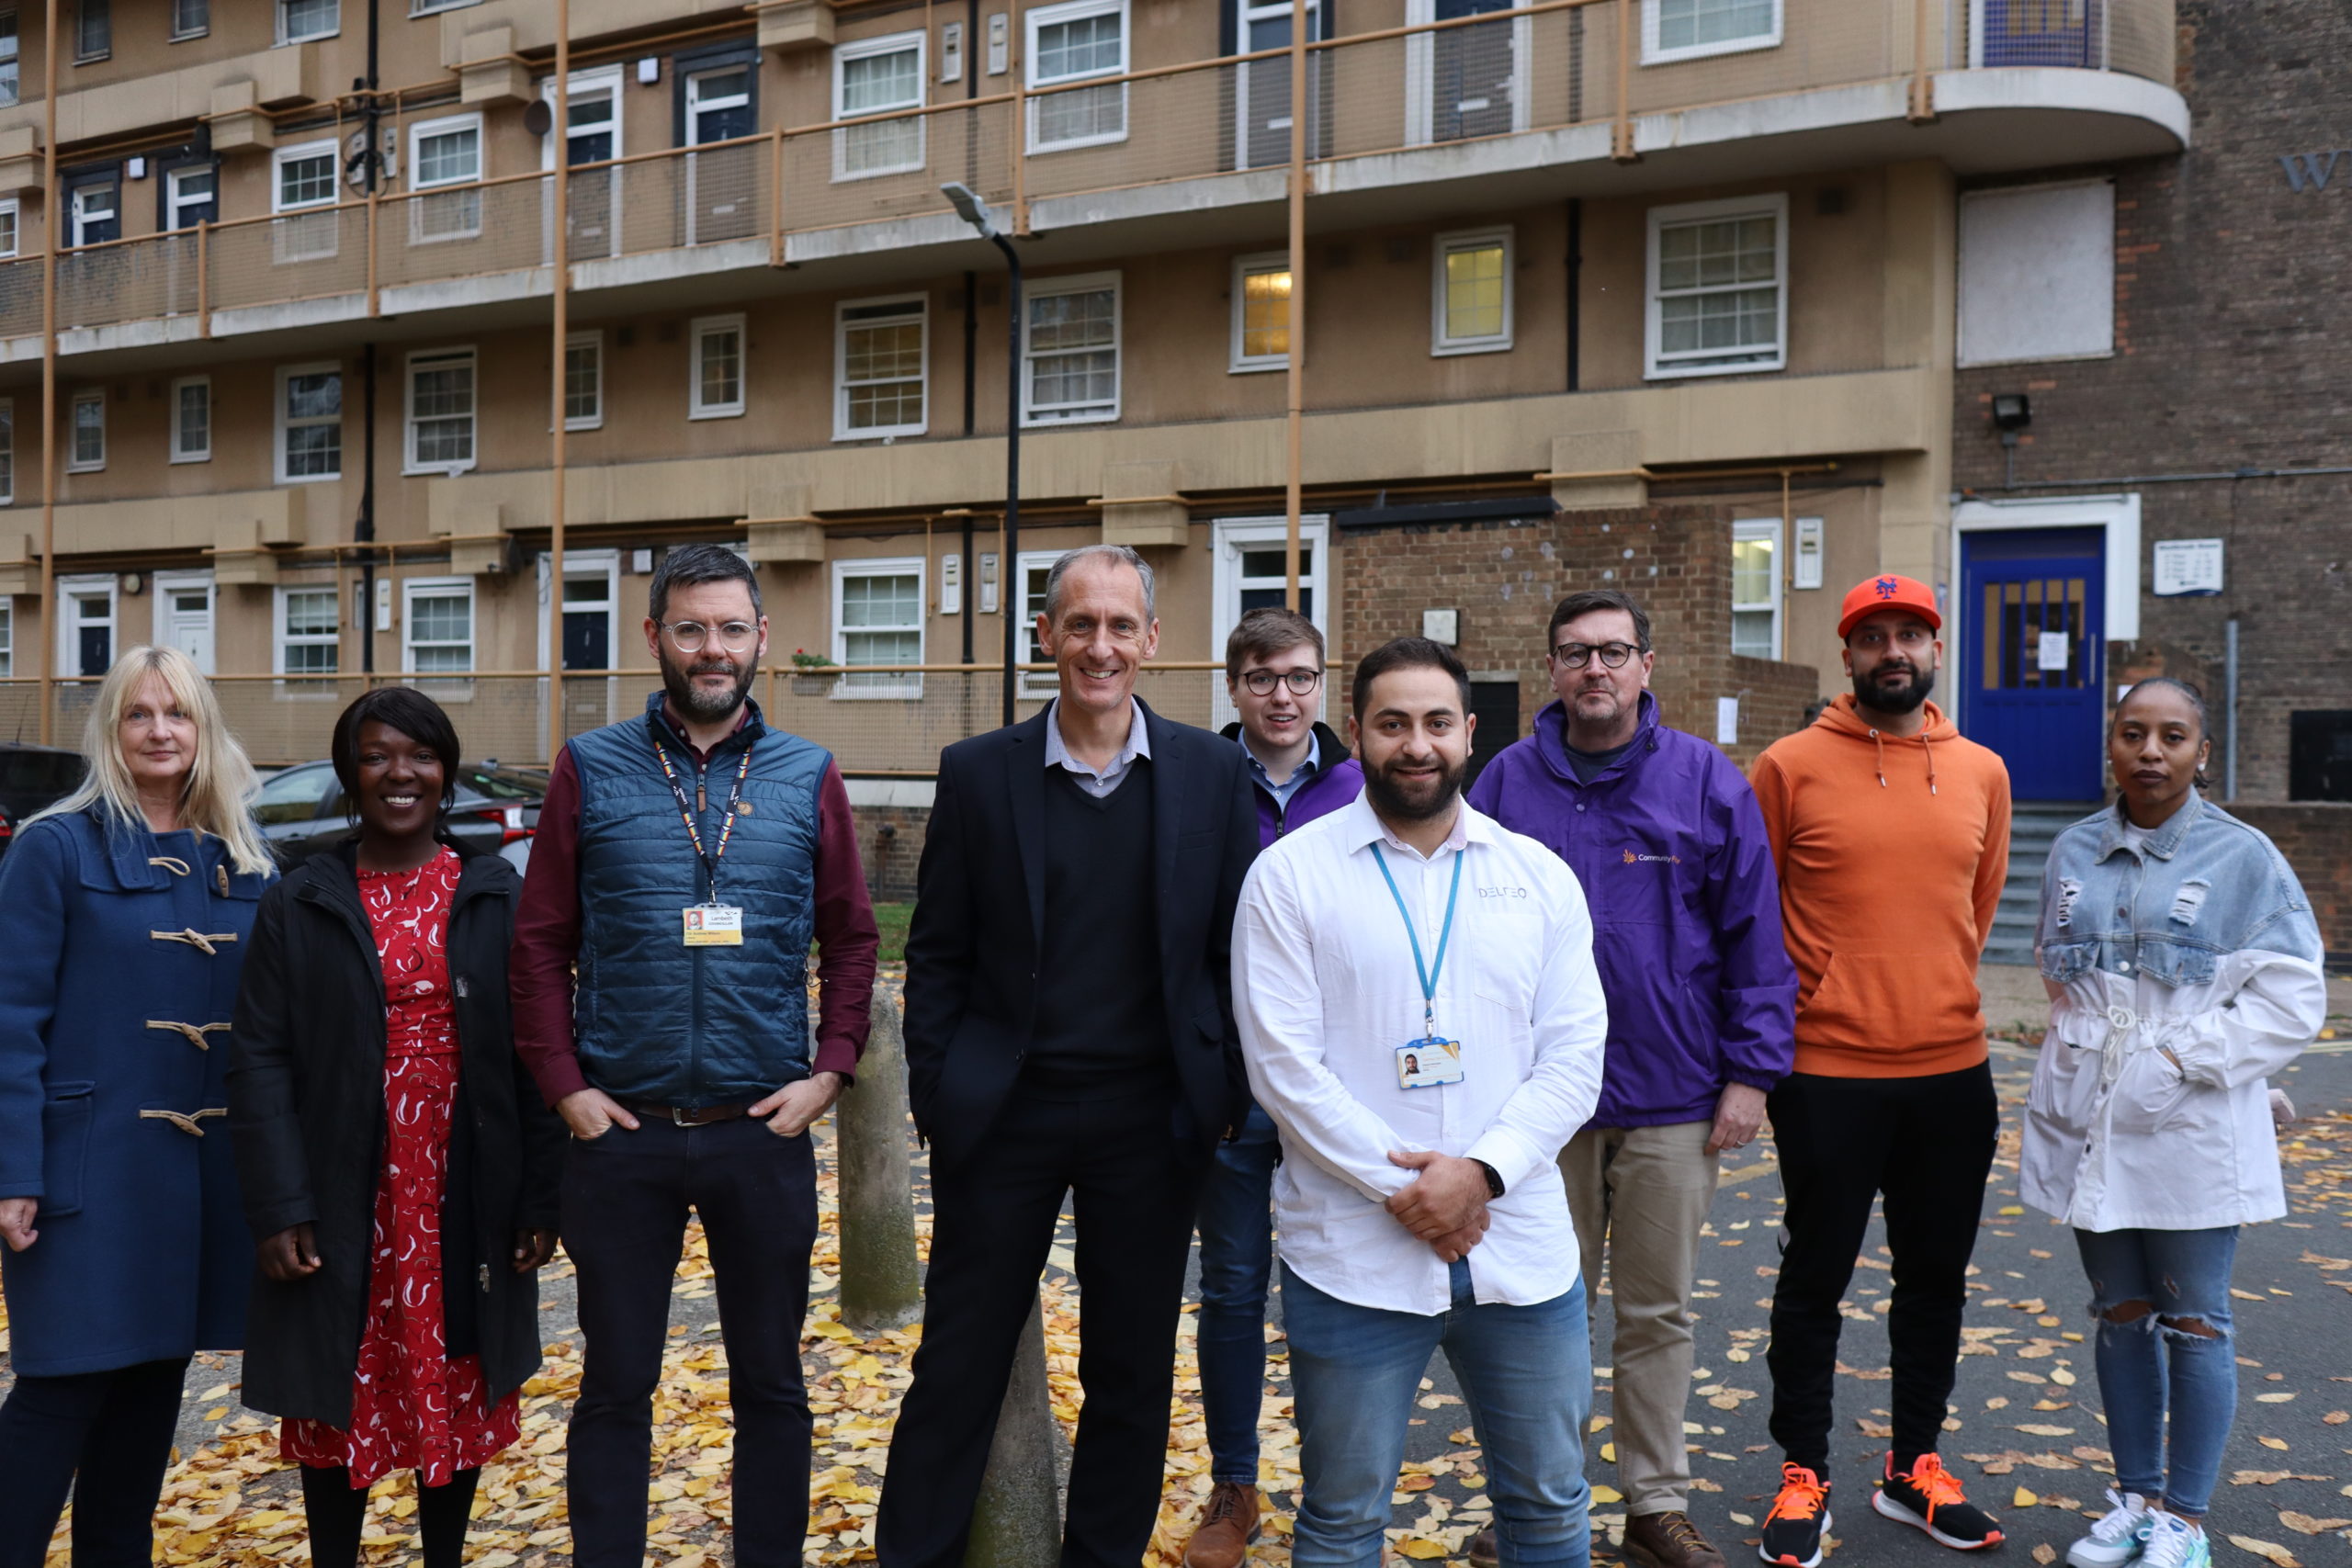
[(1228, 537), (2117, 515), (74, 591), (168, 583), (1420, 64), (593, 78)]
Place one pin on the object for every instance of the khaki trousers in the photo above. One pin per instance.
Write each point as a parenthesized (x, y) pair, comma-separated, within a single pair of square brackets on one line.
[(1645, 1192)]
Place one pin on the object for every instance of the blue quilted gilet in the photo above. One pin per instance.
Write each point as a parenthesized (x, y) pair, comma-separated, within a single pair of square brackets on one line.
[(657, 1021)]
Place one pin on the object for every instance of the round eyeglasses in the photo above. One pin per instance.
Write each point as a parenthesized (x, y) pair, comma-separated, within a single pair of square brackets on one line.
[(1577, 655), (1261, 683), (690, 635)]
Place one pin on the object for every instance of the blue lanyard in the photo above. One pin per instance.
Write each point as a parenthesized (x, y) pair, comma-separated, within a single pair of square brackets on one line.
[(1428, 972)]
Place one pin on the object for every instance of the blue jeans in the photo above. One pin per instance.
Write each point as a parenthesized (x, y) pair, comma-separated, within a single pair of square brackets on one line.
[(1236, 1263), (2148, 1367), (1526, 1372)]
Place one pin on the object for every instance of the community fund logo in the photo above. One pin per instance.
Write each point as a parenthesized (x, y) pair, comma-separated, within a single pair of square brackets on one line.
[(1633, 859)]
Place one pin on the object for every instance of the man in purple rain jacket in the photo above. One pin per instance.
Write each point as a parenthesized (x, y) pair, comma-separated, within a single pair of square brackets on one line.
[(1301, 770), (1667, 840)]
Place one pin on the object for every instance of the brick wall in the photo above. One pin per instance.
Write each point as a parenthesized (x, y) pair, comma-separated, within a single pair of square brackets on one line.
[(889, 841), (2316, 839), (2232, 351), (1505, 576)]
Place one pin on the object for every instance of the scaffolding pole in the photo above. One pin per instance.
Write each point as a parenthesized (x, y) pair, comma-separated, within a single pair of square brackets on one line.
[(1294, 370)]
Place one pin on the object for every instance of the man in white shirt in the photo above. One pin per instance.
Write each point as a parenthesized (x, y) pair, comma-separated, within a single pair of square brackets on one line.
[(1419, 1013)]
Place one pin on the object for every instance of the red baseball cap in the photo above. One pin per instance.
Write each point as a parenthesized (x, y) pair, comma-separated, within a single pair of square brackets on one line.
[(1888, 592)]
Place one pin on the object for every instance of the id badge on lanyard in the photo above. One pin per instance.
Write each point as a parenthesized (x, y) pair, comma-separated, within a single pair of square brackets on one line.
[(1431, 1061), (710, 923)]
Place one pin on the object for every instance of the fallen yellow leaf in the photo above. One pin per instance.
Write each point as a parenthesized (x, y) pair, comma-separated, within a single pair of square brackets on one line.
[(2023, 1499), (2270, 1548), (2278, 1443), (1607, 1495), (1421, 1549), (2045, 1554)]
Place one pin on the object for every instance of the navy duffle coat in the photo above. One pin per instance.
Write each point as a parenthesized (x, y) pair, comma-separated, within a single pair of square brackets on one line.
[(119, 953)]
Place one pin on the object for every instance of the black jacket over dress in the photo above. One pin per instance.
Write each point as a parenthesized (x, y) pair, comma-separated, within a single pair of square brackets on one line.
[(972, 952), (306, 1111)]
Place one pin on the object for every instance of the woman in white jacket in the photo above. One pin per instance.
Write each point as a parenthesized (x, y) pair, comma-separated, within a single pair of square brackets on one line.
[(2183, 966)]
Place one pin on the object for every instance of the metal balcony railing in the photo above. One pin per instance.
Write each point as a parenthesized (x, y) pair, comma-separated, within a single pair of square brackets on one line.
[(1496, 75)]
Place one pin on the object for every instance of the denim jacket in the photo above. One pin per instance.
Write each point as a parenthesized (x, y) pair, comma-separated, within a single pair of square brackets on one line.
[(2180, 978)]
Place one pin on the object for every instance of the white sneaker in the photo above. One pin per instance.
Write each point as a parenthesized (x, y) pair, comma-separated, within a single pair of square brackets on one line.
[(2118, 1538), (2174, 1543)]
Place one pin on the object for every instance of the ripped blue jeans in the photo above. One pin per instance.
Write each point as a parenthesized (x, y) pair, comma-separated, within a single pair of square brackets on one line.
[(2151, 1365)]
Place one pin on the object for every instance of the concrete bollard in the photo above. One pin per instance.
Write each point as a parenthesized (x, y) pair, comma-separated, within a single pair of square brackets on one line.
[(1017, 1523), (881, 1277)]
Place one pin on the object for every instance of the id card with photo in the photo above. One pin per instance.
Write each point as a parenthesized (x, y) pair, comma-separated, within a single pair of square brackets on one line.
[(1429, 1064), (712, 925)]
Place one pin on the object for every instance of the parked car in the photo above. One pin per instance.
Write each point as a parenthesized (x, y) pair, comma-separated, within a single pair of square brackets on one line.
[(302, 811), (32, 777)]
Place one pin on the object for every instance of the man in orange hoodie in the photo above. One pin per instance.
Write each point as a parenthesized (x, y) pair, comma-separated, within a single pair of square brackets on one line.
[(1892, 837)]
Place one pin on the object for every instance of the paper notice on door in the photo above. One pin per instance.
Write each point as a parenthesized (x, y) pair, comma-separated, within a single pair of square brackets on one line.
[(2052, 652)]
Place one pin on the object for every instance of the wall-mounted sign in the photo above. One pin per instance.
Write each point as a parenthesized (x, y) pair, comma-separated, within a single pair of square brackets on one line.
[(2312, 170), (2186, 567), (1443, 626)]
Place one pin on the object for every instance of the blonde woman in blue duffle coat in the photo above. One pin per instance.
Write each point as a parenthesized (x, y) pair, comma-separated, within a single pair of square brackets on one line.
[(124, 911)]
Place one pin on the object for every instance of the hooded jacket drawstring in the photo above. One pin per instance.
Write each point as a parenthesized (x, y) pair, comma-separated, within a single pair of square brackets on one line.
[(1880, 745), (1879, 741)]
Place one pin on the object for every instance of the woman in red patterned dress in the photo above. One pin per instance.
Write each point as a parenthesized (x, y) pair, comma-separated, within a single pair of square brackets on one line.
[(398, 1172)]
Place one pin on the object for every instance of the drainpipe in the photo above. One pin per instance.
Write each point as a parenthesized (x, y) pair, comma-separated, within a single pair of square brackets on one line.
[(49, 219), (1575, 288), (364, 530), (2230, 710)]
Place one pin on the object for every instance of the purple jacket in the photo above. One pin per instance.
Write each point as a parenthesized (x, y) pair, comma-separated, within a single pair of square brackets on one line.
[(1337, 779), (1668, 844)]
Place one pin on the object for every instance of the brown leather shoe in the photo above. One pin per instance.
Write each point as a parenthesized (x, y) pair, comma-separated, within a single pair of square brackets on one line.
[(1668, 1540), (1228, 1526), (1484, 1552)]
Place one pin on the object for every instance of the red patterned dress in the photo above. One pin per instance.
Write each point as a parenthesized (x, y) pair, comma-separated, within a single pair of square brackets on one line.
[(413, 1406)]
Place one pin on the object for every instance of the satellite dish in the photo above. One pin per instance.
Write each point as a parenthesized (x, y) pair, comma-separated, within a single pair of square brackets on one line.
[(539, 118)]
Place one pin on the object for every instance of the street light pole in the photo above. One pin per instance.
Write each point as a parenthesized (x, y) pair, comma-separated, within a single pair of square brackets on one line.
[(973, 210)]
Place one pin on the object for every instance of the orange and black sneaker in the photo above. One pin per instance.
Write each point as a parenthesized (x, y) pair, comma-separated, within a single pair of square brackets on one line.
[(1800, 1517), (1928, 1497)]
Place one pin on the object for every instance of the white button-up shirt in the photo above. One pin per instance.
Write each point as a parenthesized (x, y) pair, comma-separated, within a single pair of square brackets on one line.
[(1325, 990)]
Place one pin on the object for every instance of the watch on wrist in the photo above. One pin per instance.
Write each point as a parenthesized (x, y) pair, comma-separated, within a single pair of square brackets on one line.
[(1493, 1179)]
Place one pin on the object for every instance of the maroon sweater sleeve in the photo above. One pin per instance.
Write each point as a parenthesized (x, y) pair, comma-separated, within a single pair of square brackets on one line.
[(547, 941), (847, 940)]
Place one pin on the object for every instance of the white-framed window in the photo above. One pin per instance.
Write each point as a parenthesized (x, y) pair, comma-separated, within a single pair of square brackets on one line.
[(191, 194), (9, 227), (881, 354), (309, 423), (85, 450), (876, 75), (1071, 43), (715, 383), (94, 214), (440, 438), (878, 619), (429, 7), (1756, 573), (192, 420), (190, 18), (11, 64), (1030, 571), (442, 153), (300, 21), (1470, 293), (93, 31), (7, 636), (307, 635), (303, 188), (1261, 312), (438, 626), (8, 451), (1069, 350), (583, 381), (1692, 29), (1718, 287), (1249, 570)]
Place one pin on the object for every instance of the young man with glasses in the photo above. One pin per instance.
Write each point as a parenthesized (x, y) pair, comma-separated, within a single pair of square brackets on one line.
[(1665, 836), (1892, 837), (1299, 770), (684, 862)]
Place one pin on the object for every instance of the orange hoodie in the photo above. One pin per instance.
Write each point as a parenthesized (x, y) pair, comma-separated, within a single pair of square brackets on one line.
[(1892, 852)]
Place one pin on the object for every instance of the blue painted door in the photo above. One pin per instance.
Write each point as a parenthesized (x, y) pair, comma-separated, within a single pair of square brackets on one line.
[(2034, 656)]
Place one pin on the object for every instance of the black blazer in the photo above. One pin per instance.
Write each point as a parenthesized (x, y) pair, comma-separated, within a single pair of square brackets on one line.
[(306, 1116), (979, 921)]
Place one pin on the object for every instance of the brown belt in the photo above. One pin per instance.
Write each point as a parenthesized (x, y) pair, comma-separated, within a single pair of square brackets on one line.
[(680, 1115)]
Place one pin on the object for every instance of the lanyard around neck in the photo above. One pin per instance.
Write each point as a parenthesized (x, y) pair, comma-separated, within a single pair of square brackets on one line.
[(686, 813), (1428, 972)]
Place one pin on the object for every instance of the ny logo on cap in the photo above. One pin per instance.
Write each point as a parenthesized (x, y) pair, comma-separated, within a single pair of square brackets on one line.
[(1885, 587)]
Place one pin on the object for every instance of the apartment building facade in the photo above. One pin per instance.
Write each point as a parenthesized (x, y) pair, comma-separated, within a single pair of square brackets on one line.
[(1653, 292)]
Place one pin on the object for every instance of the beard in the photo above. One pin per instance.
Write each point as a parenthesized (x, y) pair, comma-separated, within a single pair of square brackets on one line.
[(1905, 698), (691, 701), (1407, 802)]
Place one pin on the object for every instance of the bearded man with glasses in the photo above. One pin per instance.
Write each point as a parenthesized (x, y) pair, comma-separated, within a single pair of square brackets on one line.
[(1668, 843), (686, 860)]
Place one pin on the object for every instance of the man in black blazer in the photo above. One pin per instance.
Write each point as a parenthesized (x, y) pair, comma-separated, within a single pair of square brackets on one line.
[(1070, 1030)]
